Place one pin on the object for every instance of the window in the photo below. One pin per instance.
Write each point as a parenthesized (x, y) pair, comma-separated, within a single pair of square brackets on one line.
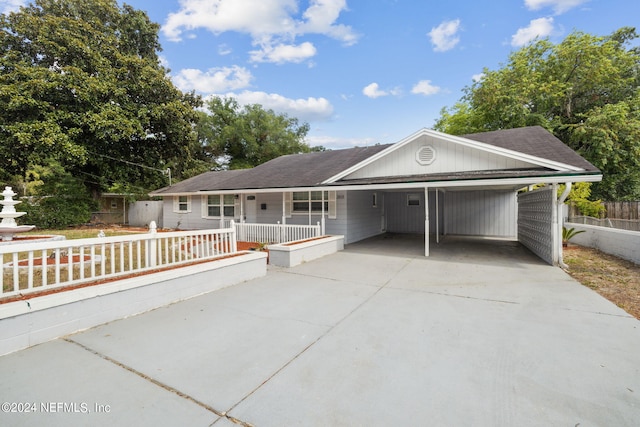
[(217, 204), (182, 204), (301, 202), (413, 200), (305, 200), (374, 202)]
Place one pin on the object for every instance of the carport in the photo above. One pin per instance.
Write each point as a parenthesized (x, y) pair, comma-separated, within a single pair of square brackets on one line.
[(495, 213)]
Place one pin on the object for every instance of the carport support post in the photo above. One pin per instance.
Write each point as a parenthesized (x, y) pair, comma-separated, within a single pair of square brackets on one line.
[(426, 221)]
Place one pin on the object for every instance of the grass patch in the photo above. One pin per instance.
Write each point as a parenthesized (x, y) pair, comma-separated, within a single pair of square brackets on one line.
[(614, 278)]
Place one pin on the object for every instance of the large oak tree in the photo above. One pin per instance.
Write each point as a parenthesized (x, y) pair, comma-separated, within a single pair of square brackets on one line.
[(81, 86)]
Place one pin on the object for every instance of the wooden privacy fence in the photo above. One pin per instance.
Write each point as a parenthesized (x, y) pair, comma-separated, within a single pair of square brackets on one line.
[(623, 210)]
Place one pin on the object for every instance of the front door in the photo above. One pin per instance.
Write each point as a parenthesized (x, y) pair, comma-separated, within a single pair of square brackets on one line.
[(250, 209)]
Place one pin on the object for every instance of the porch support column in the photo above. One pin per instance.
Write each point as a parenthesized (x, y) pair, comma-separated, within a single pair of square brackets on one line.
[(322, 221), (426, 221), (284, 209), (437, 218), (242, 196), (310, 207)]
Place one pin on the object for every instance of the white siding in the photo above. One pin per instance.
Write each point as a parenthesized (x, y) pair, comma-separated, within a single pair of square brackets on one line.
[(450, 157), (402, 218), (187, 221), (364, 220), (535, 222), (480, 213)]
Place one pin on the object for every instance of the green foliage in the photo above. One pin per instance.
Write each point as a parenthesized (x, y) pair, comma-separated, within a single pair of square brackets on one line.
[(238, 138), (57, 199), (584, 90), (579, 197), (81, 84), (569, 233)]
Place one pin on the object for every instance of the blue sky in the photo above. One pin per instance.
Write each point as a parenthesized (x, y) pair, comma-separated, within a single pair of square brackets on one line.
[(359, 72)]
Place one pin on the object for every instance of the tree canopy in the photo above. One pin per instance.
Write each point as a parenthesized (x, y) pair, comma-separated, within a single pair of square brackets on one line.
[(81, 86), (238, 138), (585, 90)]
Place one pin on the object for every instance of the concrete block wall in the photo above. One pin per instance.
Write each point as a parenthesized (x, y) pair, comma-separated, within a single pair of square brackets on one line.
[(40, 319), (621, 243)]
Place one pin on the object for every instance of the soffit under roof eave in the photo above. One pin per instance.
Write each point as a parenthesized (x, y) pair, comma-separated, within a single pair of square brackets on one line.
[(517, 155)]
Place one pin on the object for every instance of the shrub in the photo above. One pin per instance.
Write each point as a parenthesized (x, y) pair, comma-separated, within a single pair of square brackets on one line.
[(57, 212)]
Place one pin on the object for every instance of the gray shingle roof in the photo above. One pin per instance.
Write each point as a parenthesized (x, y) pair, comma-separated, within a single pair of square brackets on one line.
[(535, 141), (200, 182), (311, 169)]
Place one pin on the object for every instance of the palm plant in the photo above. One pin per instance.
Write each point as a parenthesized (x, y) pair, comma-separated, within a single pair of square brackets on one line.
[(568, 233)]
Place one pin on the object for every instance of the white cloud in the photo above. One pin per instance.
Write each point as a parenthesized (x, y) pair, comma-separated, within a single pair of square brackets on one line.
[(214, 80), (558, 6), (271, 23), (7, 6), (373, 91), (284, 53), (224, 49), (444, 36), (308, 110), (424, 87), (477, 77), (320, 18), (540, 27)]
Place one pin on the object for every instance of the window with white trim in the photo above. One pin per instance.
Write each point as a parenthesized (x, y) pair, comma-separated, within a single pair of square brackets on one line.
[(315, 202), (303, 201), (182, 204), (218, 205)]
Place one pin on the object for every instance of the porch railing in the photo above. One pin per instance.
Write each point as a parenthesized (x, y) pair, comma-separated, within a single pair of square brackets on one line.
[(34, 267), (276, 233)]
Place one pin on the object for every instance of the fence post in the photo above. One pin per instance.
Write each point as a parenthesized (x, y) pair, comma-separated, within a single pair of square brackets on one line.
[(234, 241), (152, 247), (280, 233)]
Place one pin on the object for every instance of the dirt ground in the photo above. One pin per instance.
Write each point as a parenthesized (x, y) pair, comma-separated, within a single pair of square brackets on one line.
[(616, 279)]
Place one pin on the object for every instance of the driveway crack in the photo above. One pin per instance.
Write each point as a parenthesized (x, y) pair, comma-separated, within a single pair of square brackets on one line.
[(160, 384), (331, 328)]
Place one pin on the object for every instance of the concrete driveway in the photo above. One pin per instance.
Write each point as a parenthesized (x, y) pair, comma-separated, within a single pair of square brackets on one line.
[(478, 334)]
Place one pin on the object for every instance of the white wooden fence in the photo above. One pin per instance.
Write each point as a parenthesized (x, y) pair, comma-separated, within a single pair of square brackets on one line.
[(276, 233), (78, 261)]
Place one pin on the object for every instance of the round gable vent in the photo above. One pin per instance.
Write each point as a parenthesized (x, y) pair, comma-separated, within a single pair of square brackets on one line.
[(426, 155)]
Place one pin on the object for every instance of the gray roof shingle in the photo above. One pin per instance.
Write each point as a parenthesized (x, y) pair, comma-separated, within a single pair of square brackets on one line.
[(535, 141), (311, 169)]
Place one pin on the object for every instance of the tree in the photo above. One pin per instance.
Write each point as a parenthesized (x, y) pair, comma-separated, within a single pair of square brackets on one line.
[(584, 90), (81, 85), (237, 138)]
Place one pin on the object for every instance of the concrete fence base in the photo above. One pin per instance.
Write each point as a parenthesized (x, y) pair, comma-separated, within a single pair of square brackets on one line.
[(621, 243), (36, 320)]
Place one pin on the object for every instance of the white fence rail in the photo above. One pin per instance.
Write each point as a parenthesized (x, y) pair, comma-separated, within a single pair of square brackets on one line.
[(276, 233), (26, 268)]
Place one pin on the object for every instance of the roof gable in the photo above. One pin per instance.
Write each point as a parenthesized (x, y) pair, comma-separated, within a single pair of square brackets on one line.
[(524, 148)]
